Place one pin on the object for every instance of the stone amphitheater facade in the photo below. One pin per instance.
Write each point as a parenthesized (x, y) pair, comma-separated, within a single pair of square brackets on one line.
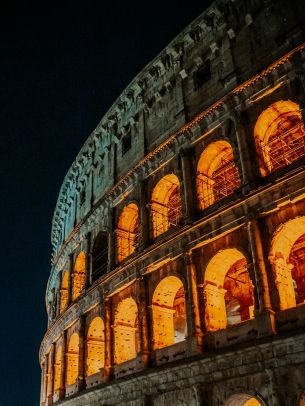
[(178, 264)]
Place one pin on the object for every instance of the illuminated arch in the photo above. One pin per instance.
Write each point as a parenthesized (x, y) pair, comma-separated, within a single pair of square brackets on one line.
[(228, 290), (79, 274), (72, 359), (287, 256), (99, 256), (127, 231), (57, 368), (168, 312), (95, 347), (279, 136), (126, 331), (64, 291), (166, 204), (217, 174), (242, 400)]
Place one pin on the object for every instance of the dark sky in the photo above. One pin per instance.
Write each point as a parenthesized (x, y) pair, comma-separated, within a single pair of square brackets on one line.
[(61, 68)]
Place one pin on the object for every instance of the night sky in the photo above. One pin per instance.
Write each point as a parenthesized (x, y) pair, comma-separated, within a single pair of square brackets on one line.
[(61, 68)]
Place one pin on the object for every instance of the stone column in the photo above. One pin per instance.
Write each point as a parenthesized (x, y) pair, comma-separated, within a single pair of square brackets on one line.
[(62, 385), (51, 374), (194, 324), (58, 294), (246, 162), (43, 382), (81, 353), (108, 339), (144, 215), (145, 332), (111, 241), (264, 304), (188, 184), (70, 279), (88, 261)]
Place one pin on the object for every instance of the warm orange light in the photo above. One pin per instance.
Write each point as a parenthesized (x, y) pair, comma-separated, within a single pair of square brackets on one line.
[(126, 331), (288, 262), (166, 204), (64, 291), (57, 368), (252, 402), (217, 174), (79, 275), (228, 291), (72, 359), (279, 135), (128, 231), (95, 347), (168, 313)]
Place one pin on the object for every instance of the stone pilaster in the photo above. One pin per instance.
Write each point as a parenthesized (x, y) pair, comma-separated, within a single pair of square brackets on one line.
[(194, 323), (88, 261), (265, 312), (43, 382), (81, 353), (111, 241), (246, 162), (144, 215), (70, 291), (108, 339), (50, 391), (188, 184), (62, 385), (143, 323)]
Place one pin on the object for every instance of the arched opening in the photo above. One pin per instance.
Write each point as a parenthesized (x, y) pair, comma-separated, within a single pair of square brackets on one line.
[(242, 400), (126, 340), (95, 347), (127, 231), (72, 359), (228, 290), (279, 135), (79, 275), (64, 292), (169, 313), (217, 174), (57, 368), (287, 257), (166, 204), (99, 256)]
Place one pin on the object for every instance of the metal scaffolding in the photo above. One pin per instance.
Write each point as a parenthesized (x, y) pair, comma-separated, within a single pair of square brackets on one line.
[(224, 181), (285, 146), (166, 216), (127, 241)]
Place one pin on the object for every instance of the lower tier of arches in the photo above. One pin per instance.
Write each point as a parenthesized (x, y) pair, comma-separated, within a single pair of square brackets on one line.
[(265, 374)]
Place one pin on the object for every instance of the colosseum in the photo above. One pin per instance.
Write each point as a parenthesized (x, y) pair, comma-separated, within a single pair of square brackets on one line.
[(178, 263)]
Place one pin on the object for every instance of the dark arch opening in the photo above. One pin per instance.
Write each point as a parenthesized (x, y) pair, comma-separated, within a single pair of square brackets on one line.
[(99, 256)]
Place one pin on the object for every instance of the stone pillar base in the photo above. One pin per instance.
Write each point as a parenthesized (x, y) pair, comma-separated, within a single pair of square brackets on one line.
[(266, 324), (194, 345)]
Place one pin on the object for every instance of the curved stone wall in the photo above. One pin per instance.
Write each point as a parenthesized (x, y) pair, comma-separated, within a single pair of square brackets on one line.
[(178, 271)]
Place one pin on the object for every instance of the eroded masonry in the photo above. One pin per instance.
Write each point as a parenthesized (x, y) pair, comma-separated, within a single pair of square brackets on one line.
[(178, 265)]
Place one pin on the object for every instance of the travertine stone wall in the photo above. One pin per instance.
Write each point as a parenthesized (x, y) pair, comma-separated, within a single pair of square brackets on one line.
[(210, 84)]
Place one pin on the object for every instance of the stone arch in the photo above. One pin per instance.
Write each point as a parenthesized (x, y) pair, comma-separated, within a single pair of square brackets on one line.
[(64, 292), (169, 312), (95, 344), (217, 173), (166, 204), (287, 256), (79, 275), (279, 136), (72, 360), (126, 340), (127, 231), (242, 399), (228, 290), (99, 255), (57, 368)]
